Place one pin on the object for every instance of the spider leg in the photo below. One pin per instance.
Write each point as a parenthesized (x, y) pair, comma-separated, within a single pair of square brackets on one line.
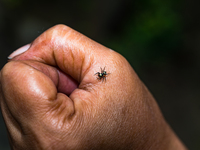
[(102, 79), (101, 70), (96, 73), (104, 68)]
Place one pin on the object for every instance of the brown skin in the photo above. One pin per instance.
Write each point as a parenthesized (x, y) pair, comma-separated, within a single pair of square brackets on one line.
[(44, 108)]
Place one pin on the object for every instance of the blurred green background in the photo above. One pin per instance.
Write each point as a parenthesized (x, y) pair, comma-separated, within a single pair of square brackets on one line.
[(160, 39)]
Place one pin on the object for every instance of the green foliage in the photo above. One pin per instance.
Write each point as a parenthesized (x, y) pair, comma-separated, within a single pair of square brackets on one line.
[(151, 34)]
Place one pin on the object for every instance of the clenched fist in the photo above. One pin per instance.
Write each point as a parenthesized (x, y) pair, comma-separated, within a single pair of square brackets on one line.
[(66, 92)]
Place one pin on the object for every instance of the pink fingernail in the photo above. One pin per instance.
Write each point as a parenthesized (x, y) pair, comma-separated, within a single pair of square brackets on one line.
[(19, 51)]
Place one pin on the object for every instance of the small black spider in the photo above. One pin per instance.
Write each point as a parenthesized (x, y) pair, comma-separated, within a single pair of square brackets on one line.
[(102, 75)]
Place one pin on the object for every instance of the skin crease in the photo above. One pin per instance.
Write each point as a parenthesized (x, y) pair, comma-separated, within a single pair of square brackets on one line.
[(51, 99)]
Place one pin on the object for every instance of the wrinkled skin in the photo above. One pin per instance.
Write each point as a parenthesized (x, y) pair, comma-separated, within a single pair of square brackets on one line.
[(51, 99)]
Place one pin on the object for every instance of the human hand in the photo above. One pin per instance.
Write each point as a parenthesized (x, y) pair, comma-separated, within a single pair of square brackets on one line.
[(51, 98)]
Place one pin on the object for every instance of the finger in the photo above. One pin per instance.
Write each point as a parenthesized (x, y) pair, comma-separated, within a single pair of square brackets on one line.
[(29, 92), (63, 82), (66, 48)]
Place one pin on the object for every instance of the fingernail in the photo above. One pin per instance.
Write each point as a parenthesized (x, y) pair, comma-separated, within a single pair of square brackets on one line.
[(19, 51)]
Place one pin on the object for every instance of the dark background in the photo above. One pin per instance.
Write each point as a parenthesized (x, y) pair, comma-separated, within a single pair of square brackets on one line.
[(160, 39)]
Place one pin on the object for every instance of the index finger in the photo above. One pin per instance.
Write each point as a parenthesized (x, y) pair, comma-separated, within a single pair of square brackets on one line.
[(66, 48)]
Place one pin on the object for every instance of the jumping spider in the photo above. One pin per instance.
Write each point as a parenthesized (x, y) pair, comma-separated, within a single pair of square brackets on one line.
[(102, 75)]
